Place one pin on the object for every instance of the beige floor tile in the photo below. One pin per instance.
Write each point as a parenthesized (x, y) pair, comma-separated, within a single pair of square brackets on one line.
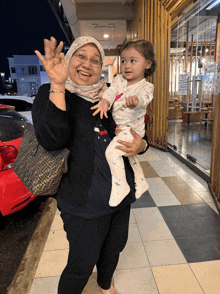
[(56, 240), (132, 219), (189, 198), (147, 214), (148, 170), (176, 167), (157, 186), (91, 286), (57, 223), (50, 285), (176, 279), (186, 176), (165, 252), (198, 187), (135, 281), (160, 165), (133, 256), (133, 234), (149, 155), (154, 231), (173, 180), (165, 173), (208, 275), (180, 188), (165, 199), (52, 263), (205, 196), (45, 285)]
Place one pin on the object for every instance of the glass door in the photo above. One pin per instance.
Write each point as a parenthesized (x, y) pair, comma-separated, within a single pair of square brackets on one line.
[(193, 71)]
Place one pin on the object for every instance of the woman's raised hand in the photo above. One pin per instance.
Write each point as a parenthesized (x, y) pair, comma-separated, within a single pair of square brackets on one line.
[(54, 62)]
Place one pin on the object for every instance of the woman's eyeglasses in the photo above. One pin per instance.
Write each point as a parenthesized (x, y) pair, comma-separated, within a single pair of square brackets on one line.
[(95, 62)]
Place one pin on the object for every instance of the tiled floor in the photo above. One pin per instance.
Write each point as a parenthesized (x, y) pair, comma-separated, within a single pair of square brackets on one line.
[(174, 238), (192, 139)]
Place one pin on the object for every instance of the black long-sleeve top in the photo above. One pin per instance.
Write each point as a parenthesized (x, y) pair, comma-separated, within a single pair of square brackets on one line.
[(85, 189)]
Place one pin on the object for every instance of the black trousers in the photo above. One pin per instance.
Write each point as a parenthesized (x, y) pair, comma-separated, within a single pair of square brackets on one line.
[(93, 242)]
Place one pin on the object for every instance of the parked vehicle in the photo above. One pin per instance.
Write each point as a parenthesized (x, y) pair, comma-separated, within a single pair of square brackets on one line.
[(22, 104), (13, 194)]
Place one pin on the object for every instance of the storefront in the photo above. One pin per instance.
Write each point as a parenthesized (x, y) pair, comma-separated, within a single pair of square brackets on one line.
[(193, 74)]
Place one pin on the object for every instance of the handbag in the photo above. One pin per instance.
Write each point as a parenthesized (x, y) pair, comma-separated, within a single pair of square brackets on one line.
[(39, 170)]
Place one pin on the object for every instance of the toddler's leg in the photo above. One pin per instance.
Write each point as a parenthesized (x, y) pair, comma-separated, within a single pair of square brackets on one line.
[(120, 187), (116, 163), (141, 184)]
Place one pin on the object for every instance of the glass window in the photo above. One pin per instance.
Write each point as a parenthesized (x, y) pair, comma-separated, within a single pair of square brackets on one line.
[(32, 70), (42, 68)]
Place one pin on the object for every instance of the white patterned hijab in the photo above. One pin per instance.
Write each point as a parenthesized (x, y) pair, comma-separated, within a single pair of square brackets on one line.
[(88, 93)]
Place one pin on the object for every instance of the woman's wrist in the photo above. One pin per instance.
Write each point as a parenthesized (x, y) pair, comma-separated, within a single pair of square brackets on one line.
[(57, 96), (57, 87), (145, 145)]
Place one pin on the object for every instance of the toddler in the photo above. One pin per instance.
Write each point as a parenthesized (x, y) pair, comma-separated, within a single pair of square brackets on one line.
[(129, 94)]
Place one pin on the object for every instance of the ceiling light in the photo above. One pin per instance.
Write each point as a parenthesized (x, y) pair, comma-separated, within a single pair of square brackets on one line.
[(111, 25), (213, 5), (95, 25), (106, 36)]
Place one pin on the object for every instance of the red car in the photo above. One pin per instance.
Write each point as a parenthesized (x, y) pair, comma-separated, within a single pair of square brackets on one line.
[(13, 194)]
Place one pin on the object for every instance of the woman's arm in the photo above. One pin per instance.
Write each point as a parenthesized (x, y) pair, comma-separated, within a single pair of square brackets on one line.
[(51, 124), (49, 111), (137, 146)]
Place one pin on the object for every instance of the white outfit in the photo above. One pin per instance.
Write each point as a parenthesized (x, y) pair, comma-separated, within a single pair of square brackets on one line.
[(125, 118)]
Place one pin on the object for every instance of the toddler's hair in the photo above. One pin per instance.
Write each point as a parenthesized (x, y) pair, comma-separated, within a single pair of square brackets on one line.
[(145, 48)]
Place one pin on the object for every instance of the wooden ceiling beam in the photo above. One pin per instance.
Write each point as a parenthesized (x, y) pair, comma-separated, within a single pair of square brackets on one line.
[(163, 2), (170, 3), (174, 6)]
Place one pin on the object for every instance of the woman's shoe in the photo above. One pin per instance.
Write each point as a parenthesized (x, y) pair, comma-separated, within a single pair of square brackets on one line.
[(112, 290)]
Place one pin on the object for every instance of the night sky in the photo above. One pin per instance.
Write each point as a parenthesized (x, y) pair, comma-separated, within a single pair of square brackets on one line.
[(23, 26)]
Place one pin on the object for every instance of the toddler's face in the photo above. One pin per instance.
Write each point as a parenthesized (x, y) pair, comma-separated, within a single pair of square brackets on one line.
[(133, 65)]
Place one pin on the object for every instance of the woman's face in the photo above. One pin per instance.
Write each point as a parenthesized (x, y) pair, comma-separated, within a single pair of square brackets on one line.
[(85, 66)]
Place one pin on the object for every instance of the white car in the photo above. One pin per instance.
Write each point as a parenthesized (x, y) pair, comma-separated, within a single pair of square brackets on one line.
[(23, 104)]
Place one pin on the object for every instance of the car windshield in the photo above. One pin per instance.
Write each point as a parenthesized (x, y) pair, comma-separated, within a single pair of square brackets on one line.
[(12, 125)]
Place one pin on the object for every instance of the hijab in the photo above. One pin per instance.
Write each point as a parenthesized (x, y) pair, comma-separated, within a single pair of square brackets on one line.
[(89, 93)]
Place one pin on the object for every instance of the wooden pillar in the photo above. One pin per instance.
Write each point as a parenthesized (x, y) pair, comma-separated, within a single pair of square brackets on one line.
[(215, 160), (157, 30), (217, 39)]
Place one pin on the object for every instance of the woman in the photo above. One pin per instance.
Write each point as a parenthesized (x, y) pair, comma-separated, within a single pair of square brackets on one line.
[(62, 117)]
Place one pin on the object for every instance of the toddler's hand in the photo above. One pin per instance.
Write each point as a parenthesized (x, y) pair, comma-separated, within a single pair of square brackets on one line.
[(101, 107), (131, 102)]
